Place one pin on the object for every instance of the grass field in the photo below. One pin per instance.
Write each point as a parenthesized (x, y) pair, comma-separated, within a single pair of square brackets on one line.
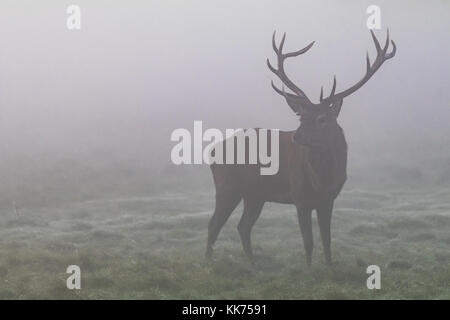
[(153, 248)]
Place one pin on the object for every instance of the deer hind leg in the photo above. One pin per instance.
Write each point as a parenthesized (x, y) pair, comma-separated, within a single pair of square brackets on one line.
[(324, 219), (304, 220), (252, 210), (225, 204)]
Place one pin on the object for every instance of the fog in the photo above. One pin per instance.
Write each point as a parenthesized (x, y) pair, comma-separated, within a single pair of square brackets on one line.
[(113, 91), (117, 88)]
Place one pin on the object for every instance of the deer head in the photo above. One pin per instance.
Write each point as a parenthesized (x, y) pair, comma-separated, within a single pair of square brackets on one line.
[(319, 120)]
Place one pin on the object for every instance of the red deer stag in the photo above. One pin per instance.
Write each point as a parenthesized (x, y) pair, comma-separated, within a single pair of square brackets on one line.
[(312, 162)]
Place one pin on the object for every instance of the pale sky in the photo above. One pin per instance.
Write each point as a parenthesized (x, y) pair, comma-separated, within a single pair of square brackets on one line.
[(139, 69)]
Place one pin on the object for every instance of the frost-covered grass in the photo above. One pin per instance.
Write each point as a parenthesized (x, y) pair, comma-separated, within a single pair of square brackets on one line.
[(153, 247)]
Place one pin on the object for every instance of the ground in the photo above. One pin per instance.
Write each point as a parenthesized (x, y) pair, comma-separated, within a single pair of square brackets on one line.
[(153, 248)]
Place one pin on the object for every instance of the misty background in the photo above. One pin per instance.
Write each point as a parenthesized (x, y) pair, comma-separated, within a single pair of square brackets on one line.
[(88, 113)]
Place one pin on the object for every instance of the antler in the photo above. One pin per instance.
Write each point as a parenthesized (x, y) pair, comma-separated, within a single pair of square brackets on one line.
[(299, 94), (382, 56)]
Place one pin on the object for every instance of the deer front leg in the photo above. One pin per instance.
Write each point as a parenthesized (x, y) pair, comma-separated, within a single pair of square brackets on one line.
[(304, 220), (252, 211), (324, 218)]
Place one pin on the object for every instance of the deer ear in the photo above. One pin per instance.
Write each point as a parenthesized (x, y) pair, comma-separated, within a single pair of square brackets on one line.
[(336, 107)]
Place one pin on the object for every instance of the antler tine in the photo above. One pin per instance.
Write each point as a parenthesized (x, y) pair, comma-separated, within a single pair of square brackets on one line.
[(394, 47), (280, 92), (371, 68), (392, 53), (333, 90), (334, 86), (280, 48), (299, 52), (271, 68), (274, 45), (367, 62), (375, 40), (386, 45), (279, 71), (382, 53), (276, 88)]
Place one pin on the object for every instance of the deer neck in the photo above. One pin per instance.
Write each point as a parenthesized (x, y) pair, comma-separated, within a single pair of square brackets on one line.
[(323, 167)]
